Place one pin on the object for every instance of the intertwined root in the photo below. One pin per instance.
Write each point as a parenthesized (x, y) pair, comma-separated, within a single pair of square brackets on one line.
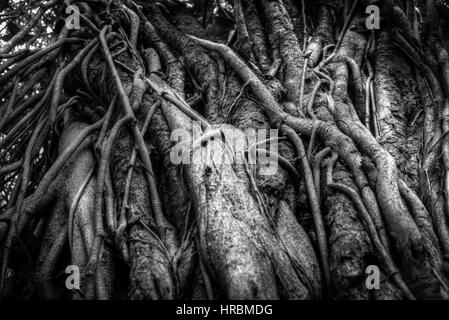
[(363, 154)]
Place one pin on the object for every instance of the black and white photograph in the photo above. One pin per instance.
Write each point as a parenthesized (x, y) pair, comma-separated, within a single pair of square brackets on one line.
[(224, 154)]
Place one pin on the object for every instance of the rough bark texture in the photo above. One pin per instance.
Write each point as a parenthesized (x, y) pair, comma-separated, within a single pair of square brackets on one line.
[(89, 133)]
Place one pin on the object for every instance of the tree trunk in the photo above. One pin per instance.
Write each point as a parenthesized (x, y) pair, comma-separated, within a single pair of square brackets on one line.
[(134, 147)]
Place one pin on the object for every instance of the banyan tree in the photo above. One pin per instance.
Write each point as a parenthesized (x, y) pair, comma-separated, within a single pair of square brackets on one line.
[(92, 92)]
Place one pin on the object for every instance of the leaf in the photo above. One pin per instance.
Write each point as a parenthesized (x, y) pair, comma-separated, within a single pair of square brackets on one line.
[(4, 4), (13, 28)]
